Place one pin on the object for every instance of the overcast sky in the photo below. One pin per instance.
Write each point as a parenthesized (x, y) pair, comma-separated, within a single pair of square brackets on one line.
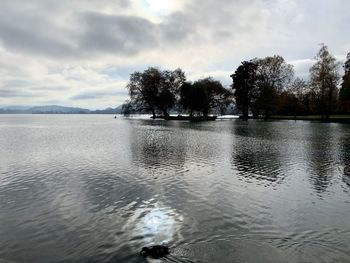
[(81, 53)]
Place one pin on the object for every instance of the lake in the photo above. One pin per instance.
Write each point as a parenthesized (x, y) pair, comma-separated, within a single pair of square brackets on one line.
[(91, 188)]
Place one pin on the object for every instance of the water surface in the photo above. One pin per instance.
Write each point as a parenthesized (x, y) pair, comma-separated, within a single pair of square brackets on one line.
[(90, 188)]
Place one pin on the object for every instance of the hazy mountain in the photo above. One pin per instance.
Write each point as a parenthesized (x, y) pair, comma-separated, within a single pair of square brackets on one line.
[(15, 107), (117, 110), (55, 109)]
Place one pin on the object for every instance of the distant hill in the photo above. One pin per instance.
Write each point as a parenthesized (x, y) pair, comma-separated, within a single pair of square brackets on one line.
[(55, 109), (117, 110)]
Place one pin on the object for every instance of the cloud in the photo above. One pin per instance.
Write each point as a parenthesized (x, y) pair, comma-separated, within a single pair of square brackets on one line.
[(8, 93), (48, 29), (118, 34), (97, 94), (51, 88), (81, 53), (177, 28), (302, 66), (27, 28)]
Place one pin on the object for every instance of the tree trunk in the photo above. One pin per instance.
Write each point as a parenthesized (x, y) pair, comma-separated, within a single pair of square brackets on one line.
[(329, 106), (245, 113), (266, 114), (165, 114)]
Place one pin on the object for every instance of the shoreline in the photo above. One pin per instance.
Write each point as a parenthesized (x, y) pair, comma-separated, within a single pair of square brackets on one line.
[(315, 118)]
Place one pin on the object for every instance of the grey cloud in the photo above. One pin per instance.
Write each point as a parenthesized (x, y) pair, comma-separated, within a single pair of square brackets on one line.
[(22, 40), (46, 27), (51, 28), (122, 71), (224, 19), (51, 88), (9, 93), (12, 86), (88, 33), (94, 33), (82, 29), (200, 21), (97, 94), (204, 36), (29, 29), (15, 83), (117, 34), (54, 6), (177, 28)]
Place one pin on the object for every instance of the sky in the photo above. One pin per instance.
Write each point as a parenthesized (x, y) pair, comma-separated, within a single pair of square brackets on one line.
[(81, 53)]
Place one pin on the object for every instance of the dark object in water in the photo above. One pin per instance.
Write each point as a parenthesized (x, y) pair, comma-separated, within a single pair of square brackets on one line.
[(347, 170), (157, 251)]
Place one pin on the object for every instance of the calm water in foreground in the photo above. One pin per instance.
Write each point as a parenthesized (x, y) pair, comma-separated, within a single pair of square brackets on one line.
[(89, 188)]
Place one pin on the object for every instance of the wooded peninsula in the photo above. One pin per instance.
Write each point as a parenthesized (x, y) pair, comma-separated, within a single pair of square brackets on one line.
[(261, 88)]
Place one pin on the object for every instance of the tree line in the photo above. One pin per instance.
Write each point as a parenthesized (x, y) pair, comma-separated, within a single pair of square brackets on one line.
[(159, 91), (261, 87)]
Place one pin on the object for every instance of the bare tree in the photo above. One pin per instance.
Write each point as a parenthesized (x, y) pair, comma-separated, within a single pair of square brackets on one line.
[(204, 96), (273, 76), (299, 89), (155, 90), (324, 77), (344, 93)]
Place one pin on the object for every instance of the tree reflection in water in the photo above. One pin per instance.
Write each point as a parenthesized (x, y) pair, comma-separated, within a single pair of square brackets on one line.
[(257, 156), (345, 148), (321, 156)]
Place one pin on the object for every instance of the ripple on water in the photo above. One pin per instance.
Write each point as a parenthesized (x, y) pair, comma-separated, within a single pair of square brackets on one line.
[(320, 246), (154, 224), (95, 189)]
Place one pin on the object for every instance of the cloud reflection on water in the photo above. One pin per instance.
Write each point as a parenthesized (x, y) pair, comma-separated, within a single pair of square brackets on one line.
[(157, 225)]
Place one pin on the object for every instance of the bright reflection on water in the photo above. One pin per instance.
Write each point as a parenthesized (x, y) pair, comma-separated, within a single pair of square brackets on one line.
[(85, 188), (155, 225)]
